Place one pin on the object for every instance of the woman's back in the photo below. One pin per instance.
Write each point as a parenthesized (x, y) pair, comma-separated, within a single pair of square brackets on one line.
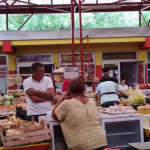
[(106, 87), (80, 125)]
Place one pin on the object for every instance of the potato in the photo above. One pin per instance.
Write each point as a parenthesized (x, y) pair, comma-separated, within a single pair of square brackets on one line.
[(147, 107), (141, 108), (6, 127), (26, 125), (130, 107)]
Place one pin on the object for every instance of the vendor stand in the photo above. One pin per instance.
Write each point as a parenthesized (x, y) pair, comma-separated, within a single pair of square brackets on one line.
[(120, 129)]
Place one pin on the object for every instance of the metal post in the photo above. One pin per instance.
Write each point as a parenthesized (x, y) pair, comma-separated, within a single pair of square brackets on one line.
[(88, 51), (25, 22), (144, 71), (72, 28), (144, 19), (81, 47), (139, 18), (7, 22)]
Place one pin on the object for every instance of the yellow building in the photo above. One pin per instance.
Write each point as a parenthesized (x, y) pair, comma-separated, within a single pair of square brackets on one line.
[(121, 51)]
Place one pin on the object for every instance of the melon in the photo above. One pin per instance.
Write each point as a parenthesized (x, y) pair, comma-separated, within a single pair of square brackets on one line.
[(147, 107), (141, 108)]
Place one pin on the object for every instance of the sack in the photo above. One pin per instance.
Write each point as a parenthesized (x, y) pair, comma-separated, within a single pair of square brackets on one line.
[(136, 96), (20, 113)]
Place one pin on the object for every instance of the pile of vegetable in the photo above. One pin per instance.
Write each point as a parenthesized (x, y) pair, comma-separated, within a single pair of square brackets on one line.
[(138, 100), (143, 108), (136, 96), (8, 99)]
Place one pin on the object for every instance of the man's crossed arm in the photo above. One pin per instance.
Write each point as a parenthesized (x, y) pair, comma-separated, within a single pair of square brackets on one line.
[(41, 96)]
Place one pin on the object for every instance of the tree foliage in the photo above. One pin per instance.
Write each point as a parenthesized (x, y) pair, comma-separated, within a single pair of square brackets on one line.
[(63, 21)]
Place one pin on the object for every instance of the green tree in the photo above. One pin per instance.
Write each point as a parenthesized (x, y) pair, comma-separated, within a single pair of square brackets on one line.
[(63, 21), (2, 22), (15, 21), (146, 15)]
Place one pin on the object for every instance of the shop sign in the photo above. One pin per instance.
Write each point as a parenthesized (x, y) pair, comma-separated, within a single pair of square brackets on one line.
[(71, 72), (67, 58), (34, 58), (3, 60), (119, 55)]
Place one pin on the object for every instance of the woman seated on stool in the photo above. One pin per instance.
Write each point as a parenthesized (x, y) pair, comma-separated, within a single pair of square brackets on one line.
[(79, 120)]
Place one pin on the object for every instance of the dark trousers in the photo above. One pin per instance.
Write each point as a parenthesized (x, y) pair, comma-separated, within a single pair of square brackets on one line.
[(101, 148), (111, 103), (36, 117)]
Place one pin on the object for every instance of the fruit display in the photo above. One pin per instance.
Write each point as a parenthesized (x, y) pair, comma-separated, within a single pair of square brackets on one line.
[(8, 99), (124, 101), (58, 94), (144, 86), (15, 119), (138, 100), (96, 79), (91, 94), (143, 108), (6, 124), (118, 109), (13, 132)]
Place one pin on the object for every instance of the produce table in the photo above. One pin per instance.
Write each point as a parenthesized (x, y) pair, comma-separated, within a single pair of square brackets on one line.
[(120, 129), (40, 146)]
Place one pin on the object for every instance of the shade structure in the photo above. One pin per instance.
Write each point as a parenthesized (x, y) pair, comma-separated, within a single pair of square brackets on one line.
[(63, 6)]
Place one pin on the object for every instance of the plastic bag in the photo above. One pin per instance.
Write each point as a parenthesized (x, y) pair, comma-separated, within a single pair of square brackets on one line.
[(136, 96)]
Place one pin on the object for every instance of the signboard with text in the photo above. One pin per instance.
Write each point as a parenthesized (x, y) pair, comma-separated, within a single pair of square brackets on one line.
[(3, 60), (67, 58), (91, 67), (119, 55), (34, 58), (71, 72)]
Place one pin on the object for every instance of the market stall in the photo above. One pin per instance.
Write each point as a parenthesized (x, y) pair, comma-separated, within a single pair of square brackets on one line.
[(3, 73), (119, 123)]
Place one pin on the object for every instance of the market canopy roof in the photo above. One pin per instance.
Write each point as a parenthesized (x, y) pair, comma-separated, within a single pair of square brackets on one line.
[(63, 6)]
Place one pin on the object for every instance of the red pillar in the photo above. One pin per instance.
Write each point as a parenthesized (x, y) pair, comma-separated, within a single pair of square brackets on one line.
[(99, 71), (139, 18), (72, 28), (81, 46), (7, 22), (141, 80)]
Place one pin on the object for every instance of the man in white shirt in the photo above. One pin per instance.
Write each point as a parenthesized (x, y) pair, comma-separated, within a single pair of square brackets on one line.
[(123, 86), (39, 92)]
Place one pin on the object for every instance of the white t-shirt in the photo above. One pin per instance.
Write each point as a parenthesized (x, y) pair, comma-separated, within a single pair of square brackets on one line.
[(38, 108), (123, 87)]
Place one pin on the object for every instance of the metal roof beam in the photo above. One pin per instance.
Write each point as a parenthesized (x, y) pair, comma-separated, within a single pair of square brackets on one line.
[(25, 21), (27, 3), (145, 8), (14, 2), (144, 19), (68, 5), (5, 2), (65, 11)]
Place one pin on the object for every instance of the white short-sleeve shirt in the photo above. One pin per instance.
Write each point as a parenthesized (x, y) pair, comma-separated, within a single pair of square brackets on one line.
[(124, 87), (38, 108)]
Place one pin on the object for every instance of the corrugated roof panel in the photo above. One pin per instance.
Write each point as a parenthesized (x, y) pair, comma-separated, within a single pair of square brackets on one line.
[(55, 2), (59, 2)]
